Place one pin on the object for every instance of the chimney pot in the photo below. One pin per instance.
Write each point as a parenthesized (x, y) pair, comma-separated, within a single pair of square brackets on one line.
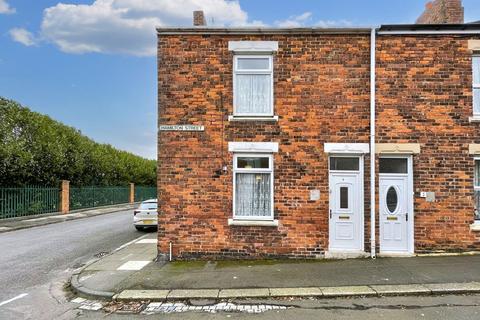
[(199, 18)]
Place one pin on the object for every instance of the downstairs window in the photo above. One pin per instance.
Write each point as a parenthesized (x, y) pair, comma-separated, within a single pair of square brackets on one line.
[(253, 187)]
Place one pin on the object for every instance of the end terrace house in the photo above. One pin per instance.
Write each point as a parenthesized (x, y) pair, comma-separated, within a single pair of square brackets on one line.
[(313, 142)]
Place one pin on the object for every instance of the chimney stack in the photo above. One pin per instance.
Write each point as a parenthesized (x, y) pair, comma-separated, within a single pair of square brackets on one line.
[(442, 12), (199, 19)]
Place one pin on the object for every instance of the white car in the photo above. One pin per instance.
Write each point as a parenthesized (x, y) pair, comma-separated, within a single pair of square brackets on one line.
[(145, 216)]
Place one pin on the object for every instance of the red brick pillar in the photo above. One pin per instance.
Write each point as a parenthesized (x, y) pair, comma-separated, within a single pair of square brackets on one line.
[(132, 193), (65, 196)]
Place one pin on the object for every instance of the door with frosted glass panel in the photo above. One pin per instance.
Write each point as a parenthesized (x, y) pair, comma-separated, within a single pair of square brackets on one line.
[(395, 205), (346, 205)]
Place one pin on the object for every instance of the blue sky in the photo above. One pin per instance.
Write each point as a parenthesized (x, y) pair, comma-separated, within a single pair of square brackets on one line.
[(91, 64)]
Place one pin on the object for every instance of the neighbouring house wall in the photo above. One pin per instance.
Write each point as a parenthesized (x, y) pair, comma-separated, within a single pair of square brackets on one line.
[(321, 89), (424, 95), (442, 11)]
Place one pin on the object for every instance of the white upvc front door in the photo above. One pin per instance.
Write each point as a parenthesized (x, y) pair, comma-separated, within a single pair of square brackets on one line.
[(346, 204), (396, 205)]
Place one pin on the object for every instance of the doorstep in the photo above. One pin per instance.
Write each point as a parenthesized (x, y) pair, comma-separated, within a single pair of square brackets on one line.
[(341, 254)]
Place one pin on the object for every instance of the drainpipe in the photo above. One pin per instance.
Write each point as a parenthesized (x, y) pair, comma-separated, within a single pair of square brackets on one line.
[(372, 143)]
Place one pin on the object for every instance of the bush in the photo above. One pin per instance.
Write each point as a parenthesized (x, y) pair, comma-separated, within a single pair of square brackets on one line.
[(37, 150)]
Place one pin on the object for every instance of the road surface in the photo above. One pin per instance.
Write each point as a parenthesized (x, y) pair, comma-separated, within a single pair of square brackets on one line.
[(35, 263)]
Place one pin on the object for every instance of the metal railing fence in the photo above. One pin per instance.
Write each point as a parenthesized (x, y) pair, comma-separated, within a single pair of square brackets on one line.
[(91, 197), (30, 200), (143, 193)]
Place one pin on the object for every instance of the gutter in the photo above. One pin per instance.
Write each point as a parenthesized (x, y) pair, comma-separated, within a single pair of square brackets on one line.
[(372, 141), (254, 30), (430, 32), (429, 29)]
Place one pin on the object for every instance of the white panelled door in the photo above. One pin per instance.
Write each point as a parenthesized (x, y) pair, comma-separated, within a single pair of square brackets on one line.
[(395, 206), (346, 205)]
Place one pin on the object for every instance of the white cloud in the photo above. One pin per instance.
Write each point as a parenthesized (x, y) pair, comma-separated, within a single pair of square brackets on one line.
[(22, 36), (128, 26), (296, 21), (305, 19), (5, 7)]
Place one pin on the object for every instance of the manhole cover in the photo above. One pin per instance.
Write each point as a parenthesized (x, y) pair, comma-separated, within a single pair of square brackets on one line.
[(100, 254)]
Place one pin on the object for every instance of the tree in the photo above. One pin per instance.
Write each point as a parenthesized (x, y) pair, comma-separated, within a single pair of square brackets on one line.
[(35, 149)]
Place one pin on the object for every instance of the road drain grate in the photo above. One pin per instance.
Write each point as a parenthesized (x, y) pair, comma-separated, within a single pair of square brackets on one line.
[(101, 254)]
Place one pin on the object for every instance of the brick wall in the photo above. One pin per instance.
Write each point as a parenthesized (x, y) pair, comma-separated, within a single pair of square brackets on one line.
[(321, 95), (322, 91), (442, 11), (424, 96)]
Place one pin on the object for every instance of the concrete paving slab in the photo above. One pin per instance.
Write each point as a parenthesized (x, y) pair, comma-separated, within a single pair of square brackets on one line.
[(103, 280), (133, 265), (295, 292), (439, 288), (347, 291), (105, 264), (400, 289), (193, 294), (148, 240), (152, 295), (244, 293)]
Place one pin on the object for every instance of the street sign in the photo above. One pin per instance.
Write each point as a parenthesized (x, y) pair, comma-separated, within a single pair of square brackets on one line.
[(181, 127)]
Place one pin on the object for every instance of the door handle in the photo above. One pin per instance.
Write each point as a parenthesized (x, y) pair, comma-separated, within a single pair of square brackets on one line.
[(406, 216), (330, 213)]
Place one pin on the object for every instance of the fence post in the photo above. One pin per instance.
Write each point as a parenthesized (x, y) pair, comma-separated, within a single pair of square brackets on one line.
[(65, 197), (132, 193)]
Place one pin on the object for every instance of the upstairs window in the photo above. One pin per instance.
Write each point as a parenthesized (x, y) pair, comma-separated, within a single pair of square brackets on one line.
[(253, 85), (476, 85)]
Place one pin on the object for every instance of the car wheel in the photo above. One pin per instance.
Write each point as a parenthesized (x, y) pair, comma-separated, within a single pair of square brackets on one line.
[(139, 228)]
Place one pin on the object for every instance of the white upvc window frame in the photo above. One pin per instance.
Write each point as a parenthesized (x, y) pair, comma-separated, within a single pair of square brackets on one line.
[(268, 71), (254, 170), (476, 188), (475, 86)]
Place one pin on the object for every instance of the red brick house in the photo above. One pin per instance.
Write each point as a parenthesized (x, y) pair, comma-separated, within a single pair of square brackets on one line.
[(267, 138)]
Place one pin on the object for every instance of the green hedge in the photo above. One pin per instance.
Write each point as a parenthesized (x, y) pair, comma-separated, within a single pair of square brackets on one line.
[(36, 149)]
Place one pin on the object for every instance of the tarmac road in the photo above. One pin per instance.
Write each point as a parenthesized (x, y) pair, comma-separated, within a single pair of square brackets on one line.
[(35, 263)]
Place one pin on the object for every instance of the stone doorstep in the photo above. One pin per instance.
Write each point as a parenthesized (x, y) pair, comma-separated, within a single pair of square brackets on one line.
[(326, 292)]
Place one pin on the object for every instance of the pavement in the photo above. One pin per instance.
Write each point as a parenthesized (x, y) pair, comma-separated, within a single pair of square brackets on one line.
[(131, 274), (18, 223)]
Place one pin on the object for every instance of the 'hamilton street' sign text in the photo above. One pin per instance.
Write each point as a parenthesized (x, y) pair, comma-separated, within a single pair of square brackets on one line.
[(181, 127)]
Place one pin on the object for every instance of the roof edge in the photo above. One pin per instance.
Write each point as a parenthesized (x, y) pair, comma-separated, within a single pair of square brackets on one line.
[(256, 30), (430, 27)]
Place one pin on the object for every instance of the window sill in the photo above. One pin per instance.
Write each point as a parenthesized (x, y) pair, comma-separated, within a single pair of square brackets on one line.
[(474, 119), (475, 226), (238, 118), (253, 223)]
